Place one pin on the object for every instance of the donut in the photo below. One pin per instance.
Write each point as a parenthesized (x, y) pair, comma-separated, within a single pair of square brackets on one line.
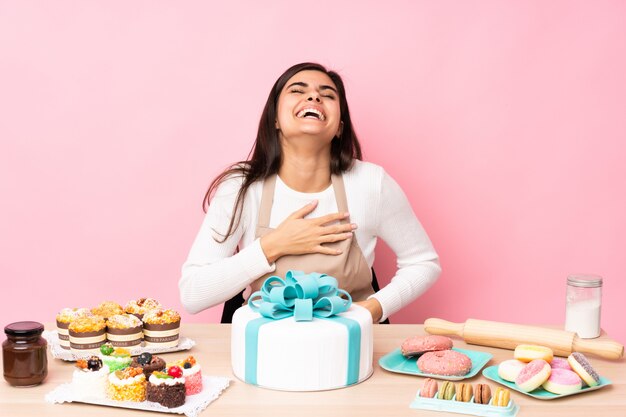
[(447, 391), (510, 369), (429, 389), (527, 353), (482, 394), (417, 345), (583, 368), (444, 362), (563, 381), (533, 375), (464, 392), (560, 363)]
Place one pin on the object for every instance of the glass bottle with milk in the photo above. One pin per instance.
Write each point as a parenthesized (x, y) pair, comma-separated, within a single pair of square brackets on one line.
[(584, 299)]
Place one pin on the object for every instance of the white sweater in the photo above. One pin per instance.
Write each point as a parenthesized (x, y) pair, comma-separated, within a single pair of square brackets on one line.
[(213, 273)]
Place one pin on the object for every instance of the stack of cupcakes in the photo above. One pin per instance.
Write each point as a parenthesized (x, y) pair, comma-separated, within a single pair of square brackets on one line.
[(87, 334), (161, 328), (124, 330), (64, 318)]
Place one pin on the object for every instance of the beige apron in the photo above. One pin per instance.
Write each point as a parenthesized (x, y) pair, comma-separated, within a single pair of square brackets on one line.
[(350, 267)]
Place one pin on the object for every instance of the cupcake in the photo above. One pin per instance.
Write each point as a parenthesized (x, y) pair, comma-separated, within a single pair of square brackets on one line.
[(107, 309), (115, 358), (167, 389), (89, 380), (161, 328), (64, 318), (87, 334), (124, 330), (127, 385), (149, 363), (141, 306), (192, 374)]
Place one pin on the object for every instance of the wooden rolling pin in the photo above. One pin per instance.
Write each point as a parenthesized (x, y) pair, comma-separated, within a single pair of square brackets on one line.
[(508, 336)]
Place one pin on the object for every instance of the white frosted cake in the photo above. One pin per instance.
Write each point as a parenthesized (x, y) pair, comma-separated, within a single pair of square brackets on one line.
[(291, 355)]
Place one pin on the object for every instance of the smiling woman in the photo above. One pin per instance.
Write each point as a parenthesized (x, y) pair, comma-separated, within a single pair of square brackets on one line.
[(304, 200)]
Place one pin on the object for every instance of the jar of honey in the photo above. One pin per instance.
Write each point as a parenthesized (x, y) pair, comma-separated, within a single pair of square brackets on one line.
[(24, 354)]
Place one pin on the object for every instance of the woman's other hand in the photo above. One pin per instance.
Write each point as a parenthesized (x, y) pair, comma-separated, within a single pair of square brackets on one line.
[(374, 308), (297, 235)]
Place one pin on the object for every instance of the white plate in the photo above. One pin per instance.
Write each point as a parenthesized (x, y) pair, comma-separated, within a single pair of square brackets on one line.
[(212, 388), (52, 336)]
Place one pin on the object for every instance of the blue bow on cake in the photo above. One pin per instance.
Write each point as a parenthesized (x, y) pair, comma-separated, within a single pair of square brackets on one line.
[(300, 295)]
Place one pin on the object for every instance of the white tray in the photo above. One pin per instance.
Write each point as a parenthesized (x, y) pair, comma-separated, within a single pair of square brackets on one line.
[(52, 336), (212, 388), (453, 406)]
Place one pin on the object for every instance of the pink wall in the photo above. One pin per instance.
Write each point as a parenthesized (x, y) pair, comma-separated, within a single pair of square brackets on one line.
[(503, 121)]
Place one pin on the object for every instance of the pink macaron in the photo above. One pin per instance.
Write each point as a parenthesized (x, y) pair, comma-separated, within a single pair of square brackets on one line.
[(563, 381), (429, 389), (535, 373)]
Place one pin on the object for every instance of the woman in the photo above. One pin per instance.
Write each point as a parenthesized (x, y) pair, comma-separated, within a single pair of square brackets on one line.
[(306, 201)]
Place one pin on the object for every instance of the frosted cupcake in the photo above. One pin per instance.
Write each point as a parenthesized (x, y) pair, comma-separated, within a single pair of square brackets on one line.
[(64, 318), (115, 358), (149, 363), (161, 328), (107, 309), (124, 330), (89, 380), (127, 385), (192, 374), (87, 334), (167, 389), (142, 306)]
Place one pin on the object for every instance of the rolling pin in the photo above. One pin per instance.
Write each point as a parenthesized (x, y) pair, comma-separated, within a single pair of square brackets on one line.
[(508, 336)]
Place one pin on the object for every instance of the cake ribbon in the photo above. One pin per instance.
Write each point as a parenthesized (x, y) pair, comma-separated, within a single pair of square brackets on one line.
[(300, 295)]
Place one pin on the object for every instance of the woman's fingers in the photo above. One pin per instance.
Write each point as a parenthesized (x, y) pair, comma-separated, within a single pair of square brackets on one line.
[(327, 251), (330, 218)]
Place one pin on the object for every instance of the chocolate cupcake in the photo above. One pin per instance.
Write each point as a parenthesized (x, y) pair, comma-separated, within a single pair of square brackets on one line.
[(64, 318), (161, 328), (124, 330), (167, 389), (149, 363), (87, 334), (141, 306)]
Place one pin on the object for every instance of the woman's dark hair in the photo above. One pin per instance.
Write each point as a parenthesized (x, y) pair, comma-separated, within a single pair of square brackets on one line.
[(265, 156)]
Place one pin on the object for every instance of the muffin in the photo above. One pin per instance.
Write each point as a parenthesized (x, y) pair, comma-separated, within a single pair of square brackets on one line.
[(89, 380), (115, 358), (161, 328), (87, 334), (107, 309), (192, 374), (167, 389), (64, 318), (149, 363), (127, 385), (141, 306), (124, 330)]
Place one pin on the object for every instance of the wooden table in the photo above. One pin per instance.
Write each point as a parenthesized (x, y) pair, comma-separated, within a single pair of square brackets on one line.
[(384, 394)]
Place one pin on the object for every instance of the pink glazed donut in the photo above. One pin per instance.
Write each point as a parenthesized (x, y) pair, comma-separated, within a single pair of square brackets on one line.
[(416, 345), (445, 362), (563, 381), (533, 375), (560, 363)]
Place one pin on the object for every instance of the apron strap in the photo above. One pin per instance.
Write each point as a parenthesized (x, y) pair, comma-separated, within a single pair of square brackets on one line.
[(267, 199), (340, 195)]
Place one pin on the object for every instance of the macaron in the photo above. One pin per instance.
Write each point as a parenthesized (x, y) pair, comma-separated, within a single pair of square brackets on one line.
[(527, 353), (510, 369), (482, 394), (445, 362), (560, 363), (563, 381), (583, 368), (464, 392), (447, 391), (417, 345), (533, 375), (501, 397), (429, 389)]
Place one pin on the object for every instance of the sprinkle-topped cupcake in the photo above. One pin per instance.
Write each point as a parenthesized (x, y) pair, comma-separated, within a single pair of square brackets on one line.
[(127, 385), (64, 318), (90, 378), (87, 334), (161, 328), (167, 388), (115, 358), (107, 309), (141, 306), (124, 330), (193, 375)]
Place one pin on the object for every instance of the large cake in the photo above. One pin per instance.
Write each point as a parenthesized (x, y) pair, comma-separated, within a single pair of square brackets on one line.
[(276, 348)]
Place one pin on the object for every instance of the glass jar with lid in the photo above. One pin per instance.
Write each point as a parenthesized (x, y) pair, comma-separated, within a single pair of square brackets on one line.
[(24, 354), (583, 305)]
